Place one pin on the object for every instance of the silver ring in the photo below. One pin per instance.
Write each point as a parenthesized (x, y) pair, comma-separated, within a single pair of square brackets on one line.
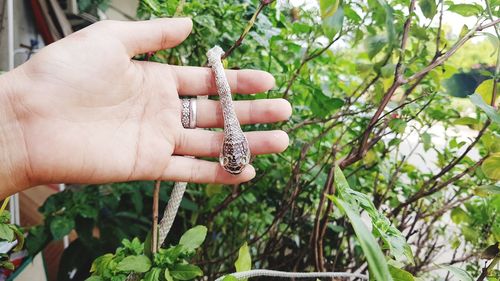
[(188, 113)]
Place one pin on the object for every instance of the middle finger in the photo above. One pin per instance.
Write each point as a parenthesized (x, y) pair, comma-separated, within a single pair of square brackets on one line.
[(209, 112)]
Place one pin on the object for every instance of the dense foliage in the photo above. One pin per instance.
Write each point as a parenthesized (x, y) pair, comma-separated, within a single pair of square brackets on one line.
[(383, 111), (9, 233)]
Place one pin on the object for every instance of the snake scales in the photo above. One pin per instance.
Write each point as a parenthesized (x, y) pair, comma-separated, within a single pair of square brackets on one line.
[(234, 156), (235, 152)]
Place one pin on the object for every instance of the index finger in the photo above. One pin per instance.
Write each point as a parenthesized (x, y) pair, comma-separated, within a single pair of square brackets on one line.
[(140, 37), (194, 81)]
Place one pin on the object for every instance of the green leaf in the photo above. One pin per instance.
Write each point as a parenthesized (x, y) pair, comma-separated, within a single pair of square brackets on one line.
[(471, 234), (135, 246), (213, 189), (391, 236), (460, 274), (6, 233), (185, 271), (101, 264), (458, 215), (388, 70), (399, 274), (389, 22), (244, 261), (464, 31), (38, 238), (397, 125), (138, 264), (328, 7), (87, 211), (485, 89), (333, 24), (5, 215), (153, 5), (194, 237), (167, 275), (153, 275), (147, 245), (491, 142), (370, 157), (466, 121), (487, 190), (491, 166), (494, 40), (489, 110), (426, 140), (94, 278), (19, 237), (60, 226), (376, 260), (323, 105), (7, 265), (466, 10), (230, 278), (375, 44), (428, 8)]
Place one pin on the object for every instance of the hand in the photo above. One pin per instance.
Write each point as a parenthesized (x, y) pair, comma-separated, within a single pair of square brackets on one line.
[(87, 113)]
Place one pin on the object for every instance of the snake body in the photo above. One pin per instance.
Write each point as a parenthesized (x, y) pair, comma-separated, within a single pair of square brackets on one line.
[(235, 152)]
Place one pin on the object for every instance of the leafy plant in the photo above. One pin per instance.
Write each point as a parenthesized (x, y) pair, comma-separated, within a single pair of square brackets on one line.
[(374, 90), (9, 233), (169, 264), (91, 6)]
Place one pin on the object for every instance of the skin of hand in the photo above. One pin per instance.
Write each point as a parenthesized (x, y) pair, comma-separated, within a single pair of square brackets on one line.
[(83, 111)]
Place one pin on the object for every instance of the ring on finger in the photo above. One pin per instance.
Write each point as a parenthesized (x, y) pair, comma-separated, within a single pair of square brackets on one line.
[(188, 113)]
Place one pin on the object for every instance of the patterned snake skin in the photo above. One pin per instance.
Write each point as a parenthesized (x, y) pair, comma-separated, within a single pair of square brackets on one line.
[(235, 153)]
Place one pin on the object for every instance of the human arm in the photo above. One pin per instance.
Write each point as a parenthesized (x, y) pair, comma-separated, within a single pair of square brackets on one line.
[(82, 111)]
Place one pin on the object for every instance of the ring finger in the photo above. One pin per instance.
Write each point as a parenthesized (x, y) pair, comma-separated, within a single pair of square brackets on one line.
[(203, 143)]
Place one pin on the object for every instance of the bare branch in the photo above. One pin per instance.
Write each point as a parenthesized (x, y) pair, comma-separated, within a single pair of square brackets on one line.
[(154, 231)]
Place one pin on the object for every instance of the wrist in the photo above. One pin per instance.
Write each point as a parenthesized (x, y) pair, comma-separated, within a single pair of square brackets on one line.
[(14, 170)]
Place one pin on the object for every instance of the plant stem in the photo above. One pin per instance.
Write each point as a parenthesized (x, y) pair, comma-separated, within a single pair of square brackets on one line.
[(249, 26), (485, 271), (4, 204), (450, 52), (154, 231)]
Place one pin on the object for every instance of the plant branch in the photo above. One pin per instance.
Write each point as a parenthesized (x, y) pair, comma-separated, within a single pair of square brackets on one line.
[(398, 77), (423, 193), (305, 59), (451, 51), (154, 231), (251, 22), (486, 270), (440, 26)]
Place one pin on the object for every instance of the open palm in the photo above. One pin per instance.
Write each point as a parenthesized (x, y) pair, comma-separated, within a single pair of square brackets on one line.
[(91, 114)]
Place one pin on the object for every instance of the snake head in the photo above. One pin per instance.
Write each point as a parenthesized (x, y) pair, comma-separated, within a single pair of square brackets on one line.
[(235, 155)]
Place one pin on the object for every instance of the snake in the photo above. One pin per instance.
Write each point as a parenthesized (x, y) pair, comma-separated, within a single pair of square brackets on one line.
[(234, 157), (235, 152)]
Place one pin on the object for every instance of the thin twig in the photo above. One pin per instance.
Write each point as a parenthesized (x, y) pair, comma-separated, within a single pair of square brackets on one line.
[(305, 59), (154, 230), (251, 22), (451, 51)]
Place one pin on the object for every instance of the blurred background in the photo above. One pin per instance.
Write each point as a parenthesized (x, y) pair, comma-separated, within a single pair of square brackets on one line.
[(413, 126)]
